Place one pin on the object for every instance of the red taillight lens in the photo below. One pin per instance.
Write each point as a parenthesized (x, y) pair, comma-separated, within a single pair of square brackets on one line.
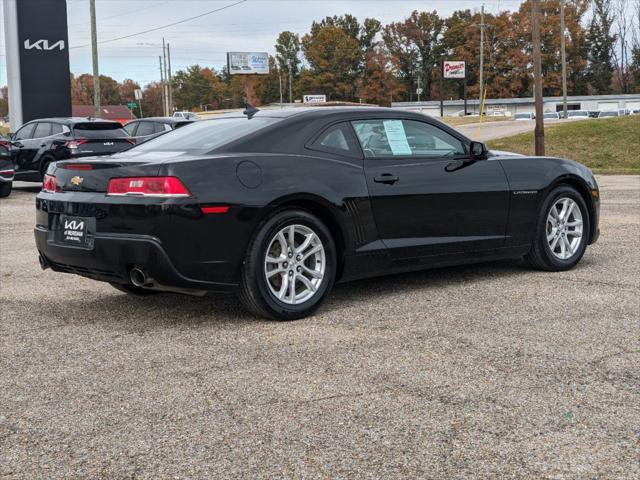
[(73, 144), (216, 209), (76, 166), (49, 184), (148, 187)]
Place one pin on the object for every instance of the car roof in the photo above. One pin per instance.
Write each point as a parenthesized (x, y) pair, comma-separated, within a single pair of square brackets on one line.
[(319, 112), (72, 120), (163, 119)]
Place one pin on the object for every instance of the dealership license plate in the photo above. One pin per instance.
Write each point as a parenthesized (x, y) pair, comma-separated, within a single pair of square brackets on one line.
[(73, 230)]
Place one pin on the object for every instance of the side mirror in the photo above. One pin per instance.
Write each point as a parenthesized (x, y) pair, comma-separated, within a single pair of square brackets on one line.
[(477, 150)]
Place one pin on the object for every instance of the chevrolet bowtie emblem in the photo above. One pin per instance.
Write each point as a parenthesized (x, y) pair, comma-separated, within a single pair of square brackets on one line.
[(77, 180)]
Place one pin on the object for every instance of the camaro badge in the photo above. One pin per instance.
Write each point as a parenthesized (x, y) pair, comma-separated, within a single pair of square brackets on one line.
[(77, 180)]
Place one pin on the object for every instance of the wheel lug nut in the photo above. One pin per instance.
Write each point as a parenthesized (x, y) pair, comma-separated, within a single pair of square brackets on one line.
[(290, 272), (298, 258), (299, 269), (285, 264)]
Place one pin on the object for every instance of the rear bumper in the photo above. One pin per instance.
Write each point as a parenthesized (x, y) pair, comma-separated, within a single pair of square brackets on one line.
[(6, 175), (111, 258)]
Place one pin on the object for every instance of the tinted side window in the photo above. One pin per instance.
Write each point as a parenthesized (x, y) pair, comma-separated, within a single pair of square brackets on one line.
[(25, 132), (391, 138), (56, 128), (336, 139), (145, 128), (43, 129), (130, 127)]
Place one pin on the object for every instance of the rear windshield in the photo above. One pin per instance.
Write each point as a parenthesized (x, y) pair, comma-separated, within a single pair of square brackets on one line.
[(201, 137), (99, 130)]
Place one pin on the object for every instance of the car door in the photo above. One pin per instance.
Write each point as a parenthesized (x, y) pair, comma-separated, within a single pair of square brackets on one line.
[(22, 146), (37, 144), (427, 196)]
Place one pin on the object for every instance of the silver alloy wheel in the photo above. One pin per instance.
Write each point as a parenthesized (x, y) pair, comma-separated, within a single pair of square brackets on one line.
[(294, 264), (564, 228)]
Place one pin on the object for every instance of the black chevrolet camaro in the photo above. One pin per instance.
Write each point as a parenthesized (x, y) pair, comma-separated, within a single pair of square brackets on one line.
[(278, 205)]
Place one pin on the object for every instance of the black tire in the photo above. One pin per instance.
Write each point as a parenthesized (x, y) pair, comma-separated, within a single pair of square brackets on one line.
[(5, 189), (254, 291), (133, 290), (541, 257)]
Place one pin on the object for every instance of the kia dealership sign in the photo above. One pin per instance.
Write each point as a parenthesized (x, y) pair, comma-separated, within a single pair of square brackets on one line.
[(248, 63), (37, 42), (454, 69)]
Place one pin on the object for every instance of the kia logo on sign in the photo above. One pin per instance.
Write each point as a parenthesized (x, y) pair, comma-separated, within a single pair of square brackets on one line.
[(43, 45)]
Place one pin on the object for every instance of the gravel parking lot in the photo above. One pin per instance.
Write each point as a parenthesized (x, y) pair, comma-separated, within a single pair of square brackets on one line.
[(471, 372)]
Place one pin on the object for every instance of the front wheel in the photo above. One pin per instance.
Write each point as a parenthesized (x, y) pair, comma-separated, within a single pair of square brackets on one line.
[(5, 189), (562, 231), (290, 266)]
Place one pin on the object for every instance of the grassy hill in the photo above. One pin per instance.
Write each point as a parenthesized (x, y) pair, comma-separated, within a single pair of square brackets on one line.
[(609, 145)]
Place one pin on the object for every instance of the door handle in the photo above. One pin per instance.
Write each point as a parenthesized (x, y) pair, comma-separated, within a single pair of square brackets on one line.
[(387, 178)]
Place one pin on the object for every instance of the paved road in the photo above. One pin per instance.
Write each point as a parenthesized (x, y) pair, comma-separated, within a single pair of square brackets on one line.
[(474, 372), (492, 130)]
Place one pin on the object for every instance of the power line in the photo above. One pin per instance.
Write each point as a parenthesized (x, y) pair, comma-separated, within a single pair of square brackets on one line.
[(123, 14), (164, 26)]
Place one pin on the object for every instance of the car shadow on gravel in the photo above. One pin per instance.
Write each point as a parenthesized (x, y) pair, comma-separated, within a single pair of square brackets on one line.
[(167, 310)]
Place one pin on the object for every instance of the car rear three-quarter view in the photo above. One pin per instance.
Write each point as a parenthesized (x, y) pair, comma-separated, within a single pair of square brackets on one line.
[(278, 205)]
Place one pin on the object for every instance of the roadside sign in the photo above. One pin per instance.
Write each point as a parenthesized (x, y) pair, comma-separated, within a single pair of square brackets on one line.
[(248, 63), (454, 69), (137, 93), (314, 98), (419, 91), (132, 105)]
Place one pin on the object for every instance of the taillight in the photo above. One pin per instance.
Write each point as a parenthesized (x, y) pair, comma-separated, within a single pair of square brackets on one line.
[(74, 144), (76, 166), (49, 184), (132, 141), (148, 187)]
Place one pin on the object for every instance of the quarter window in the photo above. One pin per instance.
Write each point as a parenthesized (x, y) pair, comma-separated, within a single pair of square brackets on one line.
[(130, 127), (56, 128), (43, 129), (145, 128), (336, 139), (392, 138)]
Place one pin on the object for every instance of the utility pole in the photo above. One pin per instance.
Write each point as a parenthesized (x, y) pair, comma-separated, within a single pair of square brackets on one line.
[(170, 86), (481, 56), (290, 83), (164, 86), (419, 89), (164, 101), (537, 76), (94, 56), (280, 82), (563, 54)]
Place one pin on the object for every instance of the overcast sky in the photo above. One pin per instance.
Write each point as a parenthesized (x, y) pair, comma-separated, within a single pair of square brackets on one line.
[(252, 25)]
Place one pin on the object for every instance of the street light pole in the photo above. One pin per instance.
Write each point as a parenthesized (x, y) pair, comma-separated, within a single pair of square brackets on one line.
[(563, 54), (537, 76), (94, 56), (290, 83)]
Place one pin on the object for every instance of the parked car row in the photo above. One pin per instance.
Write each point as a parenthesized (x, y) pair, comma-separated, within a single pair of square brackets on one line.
[(577, 114), (26, 154)]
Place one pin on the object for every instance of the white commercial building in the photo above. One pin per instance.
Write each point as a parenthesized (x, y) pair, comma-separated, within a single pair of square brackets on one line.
[(511, 106)]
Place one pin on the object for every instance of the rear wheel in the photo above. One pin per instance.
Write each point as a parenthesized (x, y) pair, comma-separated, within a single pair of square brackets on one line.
[(5, 189), (562, 231), (133, 290), (289, 267)]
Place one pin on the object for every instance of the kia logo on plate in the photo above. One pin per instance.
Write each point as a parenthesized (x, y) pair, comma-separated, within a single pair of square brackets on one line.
[(43, 45), (73, 225)]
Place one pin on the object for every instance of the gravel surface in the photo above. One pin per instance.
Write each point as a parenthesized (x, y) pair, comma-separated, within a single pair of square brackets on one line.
[(473, 372)]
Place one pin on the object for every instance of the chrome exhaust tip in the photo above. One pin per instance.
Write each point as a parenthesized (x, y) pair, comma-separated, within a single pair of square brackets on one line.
[(138, 277)]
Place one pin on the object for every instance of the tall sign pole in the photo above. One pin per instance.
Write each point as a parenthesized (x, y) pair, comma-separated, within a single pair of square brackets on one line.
[(563, 54), (537, 76), (94, 56)]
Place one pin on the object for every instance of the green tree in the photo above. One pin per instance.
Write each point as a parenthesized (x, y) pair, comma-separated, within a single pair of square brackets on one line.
[(333, 58), (287, 52), (601, 47)]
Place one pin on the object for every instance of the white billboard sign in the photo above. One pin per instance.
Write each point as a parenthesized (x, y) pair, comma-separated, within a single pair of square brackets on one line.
[(454, 69), (248, 63), (314, 98)]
